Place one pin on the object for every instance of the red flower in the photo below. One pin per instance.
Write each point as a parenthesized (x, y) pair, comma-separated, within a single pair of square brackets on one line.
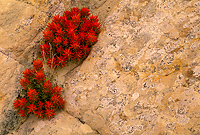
[(83, 36), (22, 112), (49, 113), (70, 32), (58, 101), (27, 73), (67, 54), (85, 26), (40, 76), (55, 99), (51, 62), (76, 19), (37, 64), (31, 108), (61, 61), (40, 105), (47, 87), (57, 90), (91, 37), (53, 27), (61, 103), (65, 42), (24, 82), (32, 94), (48, 35), (20, 103), (84, 12), (85, 49), (67, 13), (40, 113), (74, 11), (45, 49), (48, 105), (94, 18), (79, 55), (58, 40), (60, 32), (75, 45), (59, 49), (57, 19)]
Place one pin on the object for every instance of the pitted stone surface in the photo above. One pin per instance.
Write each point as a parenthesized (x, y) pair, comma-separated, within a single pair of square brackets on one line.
[(22, 23), (61, 124), (142, 76)]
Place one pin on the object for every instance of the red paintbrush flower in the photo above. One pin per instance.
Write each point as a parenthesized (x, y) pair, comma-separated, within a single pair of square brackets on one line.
[(45, 49), (51, 62), (60, 32), (32, 94), (74, 11), (53, 26), (40, 113), (40, 105), (40, 76), (61, 103), (24, 82), (48, 105), (57, 19), (49, 113), (48, 35), (65, 42), (94, 18), (20, 103), (27, 73), (38, 65), (67, 54), (76, 19), (47, 87), (92, 39), (56, 90), (58, 40), (67, 13), (31, 108), (61, 61), (85, 26), (79, 55), (84, 12), (83, 36), (22, 112), (75, 45), (55, 99), (85, 49), (59, 48)]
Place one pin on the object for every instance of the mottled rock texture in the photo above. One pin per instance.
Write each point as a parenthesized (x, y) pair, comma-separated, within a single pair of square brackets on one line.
[(142, 76), (21, 26)]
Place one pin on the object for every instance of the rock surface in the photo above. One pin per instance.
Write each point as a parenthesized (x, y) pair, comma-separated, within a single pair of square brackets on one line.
[(22, 23), (142, 76)]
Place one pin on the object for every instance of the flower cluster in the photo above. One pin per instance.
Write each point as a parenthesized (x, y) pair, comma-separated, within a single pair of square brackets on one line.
[(39, 96), (69, 37)]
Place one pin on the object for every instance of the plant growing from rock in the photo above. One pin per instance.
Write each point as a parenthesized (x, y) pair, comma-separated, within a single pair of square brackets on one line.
[(38, 95), (69, 37)]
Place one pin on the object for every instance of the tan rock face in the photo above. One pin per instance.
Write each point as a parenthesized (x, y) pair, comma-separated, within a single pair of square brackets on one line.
[(22, 23), (142, 76), (62, 123)]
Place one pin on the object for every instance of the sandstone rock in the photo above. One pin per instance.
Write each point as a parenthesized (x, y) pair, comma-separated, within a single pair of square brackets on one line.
[(142, 75), (62, 123), (22, 23), (10, 71)]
